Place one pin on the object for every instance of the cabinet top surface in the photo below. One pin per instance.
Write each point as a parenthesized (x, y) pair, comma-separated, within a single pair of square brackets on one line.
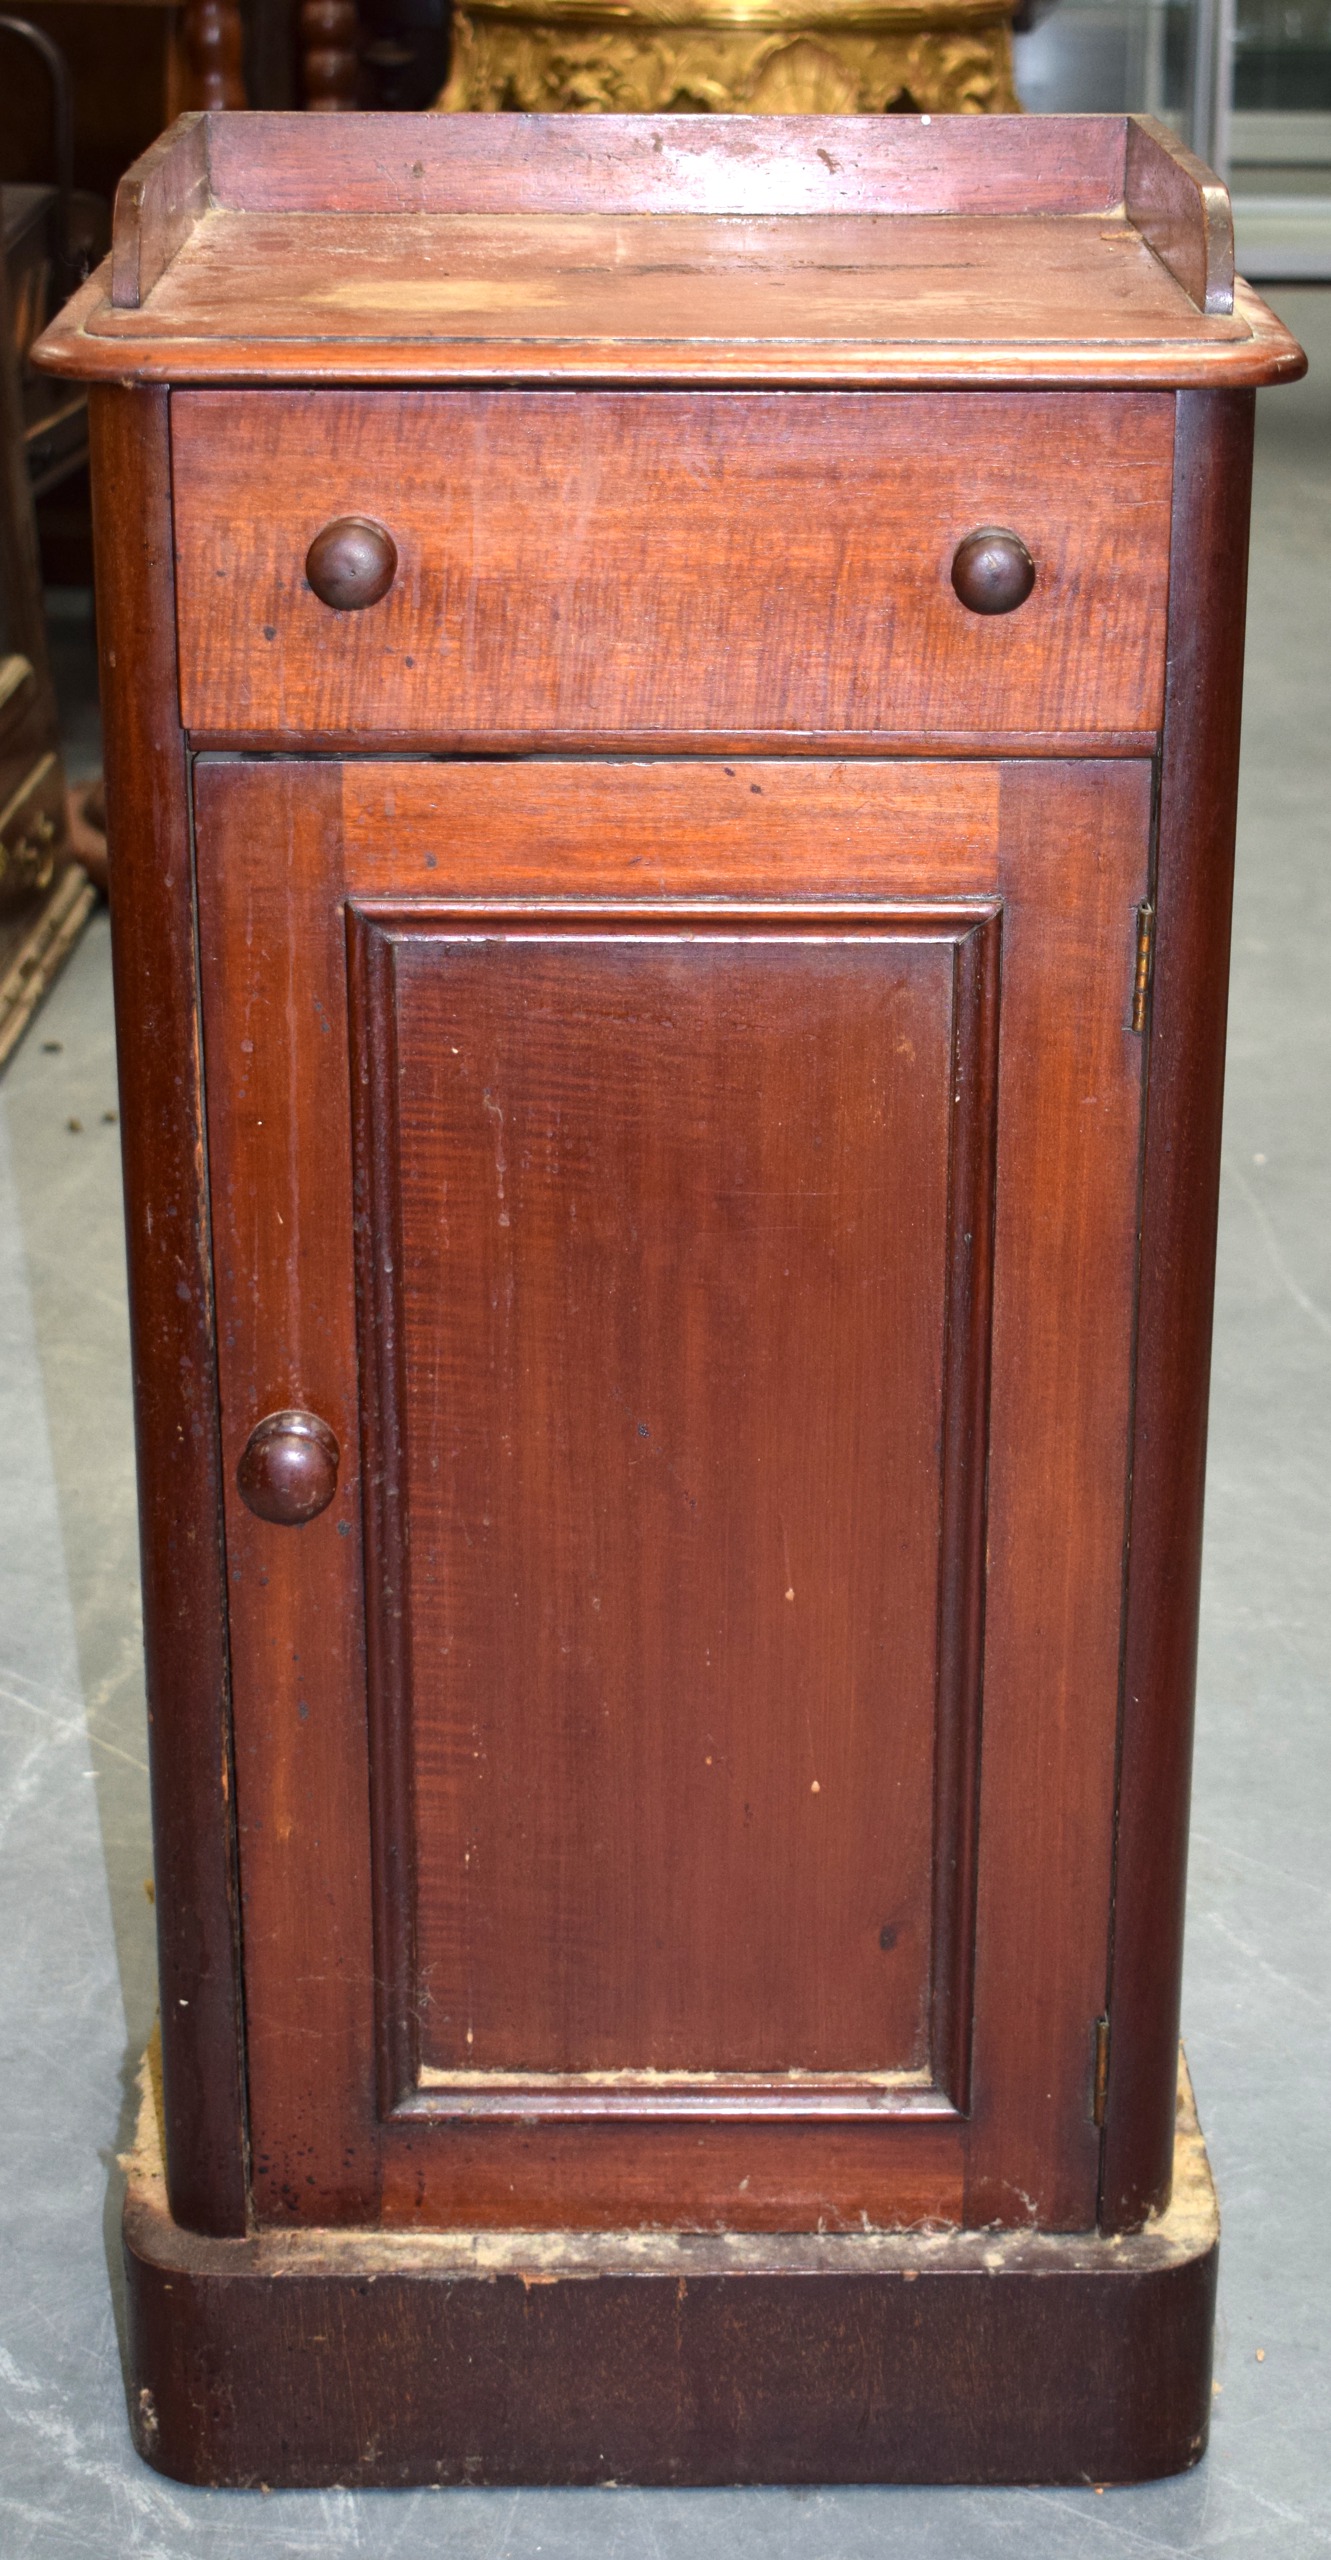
[(729, 249)]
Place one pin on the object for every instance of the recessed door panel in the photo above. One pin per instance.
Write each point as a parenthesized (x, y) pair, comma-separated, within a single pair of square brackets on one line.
[(673, 1222)]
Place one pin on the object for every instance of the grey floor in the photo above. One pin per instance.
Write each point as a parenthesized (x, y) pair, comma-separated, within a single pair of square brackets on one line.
[(76, 1958)]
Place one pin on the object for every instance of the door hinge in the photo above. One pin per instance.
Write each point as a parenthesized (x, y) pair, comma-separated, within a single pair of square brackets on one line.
[(1141, 984), (1100, 2072)]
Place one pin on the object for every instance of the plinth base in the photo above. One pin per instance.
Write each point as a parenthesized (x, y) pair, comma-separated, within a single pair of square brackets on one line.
[(369, 2359)]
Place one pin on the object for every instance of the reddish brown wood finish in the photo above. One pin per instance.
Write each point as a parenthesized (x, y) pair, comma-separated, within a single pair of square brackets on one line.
[(646, 563), (669, 2361), (214, 42), (993, 571), (642, 1753), (962, 746), (1058, 1453), (675, 164), (1070, 869), (1182, 210), (1076, 166), (288, 1469), (158, 203), (1032, 340), (671, 164), (1192, 893), (630, 287), (351, 564), (515, 1970), (330, 62), (685, 249), (171, 1314)]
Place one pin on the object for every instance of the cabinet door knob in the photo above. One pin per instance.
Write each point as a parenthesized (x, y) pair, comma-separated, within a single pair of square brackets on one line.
[(351, 563), (288, 1468), (992, 571)]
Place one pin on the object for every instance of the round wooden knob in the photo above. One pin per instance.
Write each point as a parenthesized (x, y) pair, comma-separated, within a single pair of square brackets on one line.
[(352, 563), (288, 1468), (993, 571)]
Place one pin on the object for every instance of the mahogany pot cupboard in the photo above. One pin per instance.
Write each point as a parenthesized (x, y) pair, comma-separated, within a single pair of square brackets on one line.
[(672, 693)]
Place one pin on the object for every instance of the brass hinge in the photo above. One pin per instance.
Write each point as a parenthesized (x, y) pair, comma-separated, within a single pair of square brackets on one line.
[(1141, 984), (1100, 2074)]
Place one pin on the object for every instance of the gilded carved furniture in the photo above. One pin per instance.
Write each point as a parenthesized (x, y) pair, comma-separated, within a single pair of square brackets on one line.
[(767, 57)]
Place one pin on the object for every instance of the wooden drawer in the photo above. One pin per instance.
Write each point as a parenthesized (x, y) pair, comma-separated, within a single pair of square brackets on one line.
[(653, 566)]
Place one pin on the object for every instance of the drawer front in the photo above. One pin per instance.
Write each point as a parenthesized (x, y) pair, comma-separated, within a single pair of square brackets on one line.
[(575, 566)]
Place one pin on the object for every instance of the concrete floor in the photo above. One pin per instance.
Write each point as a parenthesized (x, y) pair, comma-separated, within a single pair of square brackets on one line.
[(76, 1951)]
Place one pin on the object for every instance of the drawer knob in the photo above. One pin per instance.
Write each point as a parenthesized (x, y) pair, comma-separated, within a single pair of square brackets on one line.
[(993, 571), (288, 1468), (352, 563)]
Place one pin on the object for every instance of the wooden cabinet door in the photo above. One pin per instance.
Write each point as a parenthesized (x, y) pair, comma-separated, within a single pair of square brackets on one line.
[(675, 1773)]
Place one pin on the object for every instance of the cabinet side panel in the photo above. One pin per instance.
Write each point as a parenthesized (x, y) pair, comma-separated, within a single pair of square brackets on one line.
[(171, 1313), (1199, 786)]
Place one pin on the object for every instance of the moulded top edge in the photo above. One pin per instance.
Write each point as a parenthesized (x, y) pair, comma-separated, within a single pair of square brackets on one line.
[(92, 341)]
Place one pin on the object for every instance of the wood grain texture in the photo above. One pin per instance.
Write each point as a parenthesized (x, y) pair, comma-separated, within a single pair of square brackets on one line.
[(277, 863), (670, 279), (671, 1278), (671, 1698), (1192, 893), (961, 746), (639, 564), (854, 250), (1079, 344), (604, 828), (544, 2358), (303, 1757), (301, 1751), (672, 164), (158, 205), (809, 167), (171, 1316), (1065, 1248), (1182, 211)]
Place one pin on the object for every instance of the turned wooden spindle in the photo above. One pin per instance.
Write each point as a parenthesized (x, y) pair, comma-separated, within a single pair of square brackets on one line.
[(329, 56), (214, 45)]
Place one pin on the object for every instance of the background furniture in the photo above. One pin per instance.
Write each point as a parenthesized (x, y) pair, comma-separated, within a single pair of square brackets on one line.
[(49, 237), (45, 898), (777, 57), (137, 64), (676, 772)]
